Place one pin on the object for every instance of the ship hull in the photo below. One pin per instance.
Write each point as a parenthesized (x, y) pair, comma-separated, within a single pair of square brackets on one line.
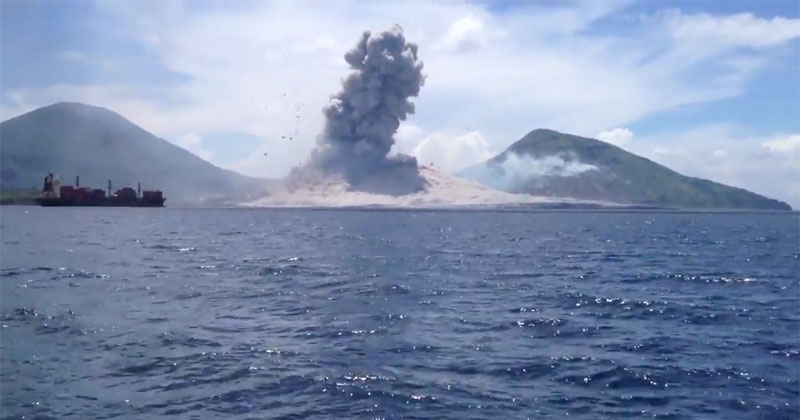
[(58, 202), (56, 195)]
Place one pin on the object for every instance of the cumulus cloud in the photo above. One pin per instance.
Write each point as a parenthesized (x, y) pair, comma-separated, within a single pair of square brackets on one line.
[(90, 63), (743, 29), (721, 152), (466, 34), (617, 136), (452, 152), (668, 151), (786, 145), (194, 143), (72, 55)]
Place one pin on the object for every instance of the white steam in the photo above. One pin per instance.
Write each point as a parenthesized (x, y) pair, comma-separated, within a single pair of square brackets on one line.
[(515, 171)]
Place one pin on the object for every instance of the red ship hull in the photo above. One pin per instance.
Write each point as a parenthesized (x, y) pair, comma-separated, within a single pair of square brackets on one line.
[(55, 195), (105, 202)]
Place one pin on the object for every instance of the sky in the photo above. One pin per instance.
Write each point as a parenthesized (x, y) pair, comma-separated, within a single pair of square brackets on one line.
[(709, 89)]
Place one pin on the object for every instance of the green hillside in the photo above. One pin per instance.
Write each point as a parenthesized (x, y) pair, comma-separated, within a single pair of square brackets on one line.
[(73, 139), (612, 175)]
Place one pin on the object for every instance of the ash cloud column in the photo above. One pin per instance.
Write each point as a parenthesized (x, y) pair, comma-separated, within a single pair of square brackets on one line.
[(362, 118)]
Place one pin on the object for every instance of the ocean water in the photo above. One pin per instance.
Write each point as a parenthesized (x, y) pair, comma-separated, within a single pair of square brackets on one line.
[(144, 313)]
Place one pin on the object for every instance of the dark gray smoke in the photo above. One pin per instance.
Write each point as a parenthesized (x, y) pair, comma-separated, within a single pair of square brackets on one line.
[(362, 119)]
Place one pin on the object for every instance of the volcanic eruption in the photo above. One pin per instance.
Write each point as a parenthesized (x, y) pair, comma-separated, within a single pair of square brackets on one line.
[(361, 120), (351, 164)]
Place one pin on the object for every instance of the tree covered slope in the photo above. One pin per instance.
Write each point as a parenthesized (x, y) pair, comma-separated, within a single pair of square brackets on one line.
[(546, 162)]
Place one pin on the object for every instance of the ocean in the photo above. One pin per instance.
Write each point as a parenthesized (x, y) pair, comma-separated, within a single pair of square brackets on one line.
[(333, 314)]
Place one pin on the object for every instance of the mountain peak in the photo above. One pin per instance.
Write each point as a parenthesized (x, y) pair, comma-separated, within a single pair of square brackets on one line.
[(540, 131), (546, 162), (546, 133), (543, 141), (96, 143), (70, 105), (78, 108), (75, 111)]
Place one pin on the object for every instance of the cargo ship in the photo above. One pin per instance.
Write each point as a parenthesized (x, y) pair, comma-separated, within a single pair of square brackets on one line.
[(56, 195)]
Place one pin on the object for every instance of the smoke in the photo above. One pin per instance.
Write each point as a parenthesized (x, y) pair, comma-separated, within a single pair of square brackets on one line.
[(361, 120), (516, 171)]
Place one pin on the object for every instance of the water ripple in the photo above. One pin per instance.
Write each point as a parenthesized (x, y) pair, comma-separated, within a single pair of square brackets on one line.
[(383, 314)]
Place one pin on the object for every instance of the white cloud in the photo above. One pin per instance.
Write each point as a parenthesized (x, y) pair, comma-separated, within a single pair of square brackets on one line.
[(465, 33), (450, 151), (72, 55), (665, 151), (92, 63), (788, 145), (194, 143), (617, 136), (744, 29), (720, 152), (468, 33), (453, 152)]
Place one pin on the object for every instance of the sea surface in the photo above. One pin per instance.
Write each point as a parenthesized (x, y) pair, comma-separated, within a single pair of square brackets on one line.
[(322, 314)]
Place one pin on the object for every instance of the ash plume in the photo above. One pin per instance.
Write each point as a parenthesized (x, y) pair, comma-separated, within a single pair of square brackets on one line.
[(361, 120)]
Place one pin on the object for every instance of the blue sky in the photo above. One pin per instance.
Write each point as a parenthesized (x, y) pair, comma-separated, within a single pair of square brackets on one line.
[(710, 89)]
